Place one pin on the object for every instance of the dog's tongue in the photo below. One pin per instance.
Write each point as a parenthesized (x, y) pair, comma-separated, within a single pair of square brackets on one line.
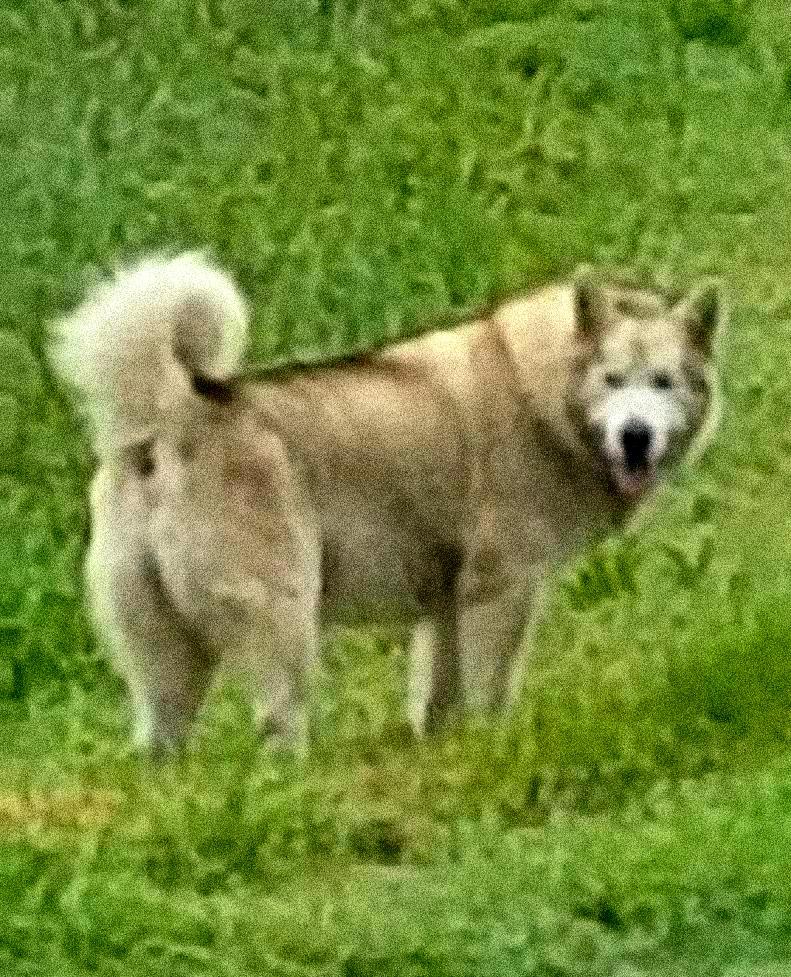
[(634, 484)]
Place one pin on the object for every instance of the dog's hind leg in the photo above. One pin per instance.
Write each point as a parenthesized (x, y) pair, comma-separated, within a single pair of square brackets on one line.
[(275, 659), (167, 682), (166, 670)]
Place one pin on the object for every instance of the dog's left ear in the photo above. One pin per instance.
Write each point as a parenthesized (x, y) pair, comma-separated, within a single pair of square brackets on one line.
[(702, 314), (591, 305)]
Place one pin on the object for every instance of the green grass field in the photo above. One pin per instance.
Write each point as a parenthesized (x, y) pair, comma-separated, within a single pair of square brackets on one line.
[(362, 167)]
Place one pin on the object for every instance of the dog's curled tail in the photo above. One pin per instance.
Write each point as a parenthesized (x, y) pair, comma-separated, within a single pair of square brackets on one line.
[(136, 344)]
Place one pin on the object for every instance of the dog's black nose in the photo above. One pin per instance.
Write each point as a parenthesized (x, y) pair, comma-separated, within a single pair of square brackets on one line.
[(636, 439)]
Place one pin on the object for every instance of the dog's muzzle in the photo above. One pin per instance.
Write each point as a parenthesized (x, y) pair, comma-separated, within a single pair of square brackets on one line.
[(634, 467), (636, 441)]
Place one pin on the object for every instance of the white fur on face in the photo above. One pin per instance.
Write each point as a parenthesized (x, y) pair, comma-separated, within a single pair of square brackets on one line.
[(656, 410)]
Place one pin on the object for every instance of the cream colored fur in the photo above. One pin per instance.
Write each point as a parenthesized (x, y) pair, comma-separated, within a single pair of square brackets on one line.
[(434, 482)]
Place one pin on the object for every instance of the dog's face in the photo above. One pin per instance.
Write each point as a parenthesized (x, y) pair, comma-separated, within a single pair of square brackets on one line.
[(643, 393)]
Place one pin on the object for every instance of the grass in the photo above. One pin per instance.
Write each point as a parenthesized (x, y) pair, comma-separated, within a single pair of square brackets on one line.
[(363, 168)]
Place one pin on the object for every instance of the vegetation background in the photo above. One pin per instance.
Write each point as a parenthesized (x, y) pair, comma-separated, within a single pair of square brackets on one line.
[(361, 167)]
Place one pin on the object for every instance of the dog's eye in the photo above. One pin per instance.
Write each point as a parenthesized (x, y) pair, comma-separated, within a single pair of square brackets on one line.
[(662, 380), (614, 380)]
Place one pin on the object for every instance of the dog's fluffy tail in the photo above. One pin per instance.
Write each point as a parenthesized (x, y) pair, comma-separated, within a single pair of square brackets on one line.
[(134, 347)]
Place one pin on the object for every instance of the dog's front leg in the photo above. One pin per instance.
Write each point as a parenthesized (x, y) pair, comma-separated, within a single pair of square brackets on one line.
[(434, 682), (493, 613)]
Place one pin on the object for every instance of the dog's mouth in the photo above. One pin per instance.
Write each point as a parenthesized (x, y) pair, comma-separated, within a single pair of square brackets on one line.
[(634, 481)]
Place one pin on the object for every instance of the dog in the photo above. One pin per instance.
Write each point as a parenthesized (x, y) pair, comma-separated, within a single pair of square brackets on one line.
[(434, 482)]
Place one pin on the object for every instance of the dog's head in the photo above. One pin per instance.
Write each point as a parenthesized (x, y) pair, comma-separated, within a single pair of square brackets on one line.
[(644, 389)]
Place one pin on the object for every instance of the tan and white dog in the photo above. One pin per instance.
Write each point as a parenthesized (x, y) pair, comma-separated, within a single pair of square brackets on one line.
[(432, 482)]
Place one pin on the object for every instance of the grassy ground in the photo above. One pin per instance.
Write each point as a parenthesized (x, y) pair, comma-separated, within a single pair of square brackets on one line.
[(361, 167)]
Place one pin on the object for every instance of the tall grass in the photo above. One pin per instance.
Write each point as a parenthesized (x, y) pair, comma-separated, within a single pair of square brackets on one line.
[(363, 168)]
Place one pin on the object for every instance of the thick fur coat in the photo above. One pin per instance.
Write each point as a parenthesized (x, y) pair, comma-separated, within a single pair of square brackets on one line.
[(431, 483)]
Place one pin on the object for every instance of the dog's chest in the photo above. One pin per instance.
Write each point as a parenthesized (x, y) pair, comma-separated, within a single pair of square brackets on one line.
[(539, 499)]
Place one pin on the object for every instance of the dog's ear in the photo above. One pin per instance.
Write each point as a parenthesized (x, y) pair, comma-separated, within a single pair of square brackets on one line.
[(701, 312), (591, 305)]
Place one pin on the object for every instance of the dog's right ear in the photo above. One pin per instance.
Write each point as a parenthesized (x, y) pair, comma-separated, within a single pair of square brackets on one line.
[(702, 313), (591, 305)]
